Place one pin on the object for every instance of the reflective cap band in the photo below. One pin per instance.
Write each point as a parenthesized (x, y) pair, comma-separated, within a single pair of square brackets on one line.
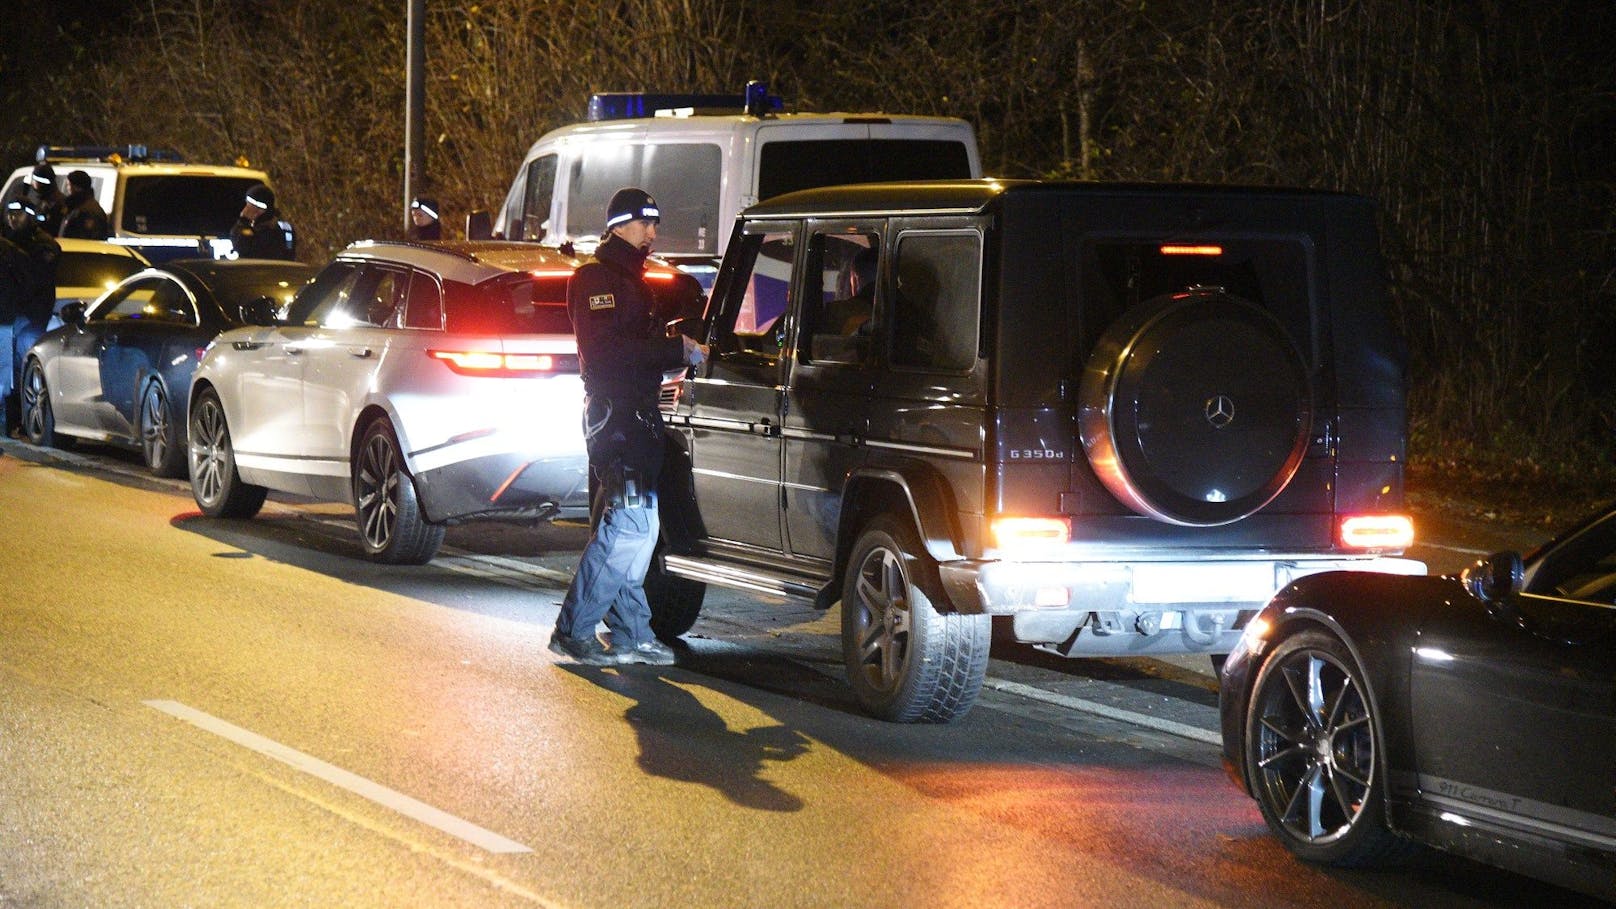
[(429, 212), (648, 213), (42, 181), (252, 201)]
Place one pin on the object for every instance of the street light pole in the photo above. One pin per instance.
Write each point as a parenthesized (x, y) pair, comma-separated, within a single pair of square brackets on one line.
[(414, 102)]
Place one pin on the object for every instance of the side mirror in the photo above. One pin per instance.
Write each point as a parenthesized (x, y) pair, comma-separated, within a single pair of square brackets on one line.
[(1495, 578), (479, 225), (73, 313), (260, 311)]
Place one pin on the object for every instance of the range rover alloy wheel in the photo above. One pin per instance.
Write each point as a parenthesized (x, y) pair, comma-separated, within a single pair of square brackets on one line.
[(215, 483), (392, 528), (1314, 754), (1195, 408), (907, 662), (164, 454)]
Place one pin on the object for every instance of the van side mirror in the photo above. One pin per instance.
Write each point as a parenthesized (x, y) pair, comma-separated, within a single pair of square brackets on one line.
[(480, 225), (260, 311), (1495, 578)]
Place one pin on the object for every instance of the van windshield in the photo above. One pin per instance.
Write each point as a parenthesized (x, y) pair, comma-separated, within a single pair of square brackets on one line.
[(191, 205), (787, 166)]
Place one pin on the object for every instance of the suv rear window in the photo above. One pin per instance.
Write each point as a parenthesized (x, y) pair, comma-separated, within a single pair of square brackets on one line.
[(508, 307), (191, 204), (1119, 274), (787, 166)]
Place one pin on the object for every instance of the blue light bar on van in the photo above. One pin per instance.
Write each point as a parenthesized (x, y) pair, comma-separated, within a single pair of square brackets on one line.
[(623, 105), (105, 152)]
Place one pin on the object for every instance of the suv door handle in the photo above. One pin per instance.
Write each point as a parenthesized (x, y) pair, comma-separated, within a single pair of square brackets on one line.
[(293, 350), (246, 345), (362, 353), (764, 428)]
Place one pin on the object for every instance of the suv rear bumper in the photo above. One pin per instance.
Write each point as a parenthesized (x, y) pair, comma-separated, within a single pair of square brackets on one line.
[(1139, 607)]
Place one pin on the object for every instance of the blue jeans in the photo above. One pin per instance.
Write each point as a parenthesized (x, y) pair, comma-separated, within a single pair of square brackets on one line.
[(610, 581), (8, 373)]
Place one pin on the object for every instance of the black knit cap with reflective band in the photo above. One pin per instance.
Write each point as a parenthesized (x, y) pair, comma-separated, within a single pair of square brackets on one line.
[(44, 174), (260, 195), (631, 204)]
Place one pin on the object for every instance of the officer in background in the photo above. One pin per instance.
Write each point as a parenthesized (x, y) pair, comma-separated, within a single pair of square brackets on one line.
[(49, 206), (86, 219), (425, 224), (623, 350), (260, 231), (32, 276)]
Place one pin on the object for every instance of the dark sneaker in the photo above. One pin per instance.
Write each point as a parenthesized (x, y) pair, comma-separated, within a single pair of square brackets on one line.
[(588, 650), (652, 652)]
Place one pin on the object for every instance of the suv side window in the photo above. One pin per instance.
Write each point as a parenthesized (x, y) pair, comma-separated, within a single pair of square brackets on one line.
[(839, 297), (937, 304), (425, 306), (323, 295), (750, 324), (541, 177)]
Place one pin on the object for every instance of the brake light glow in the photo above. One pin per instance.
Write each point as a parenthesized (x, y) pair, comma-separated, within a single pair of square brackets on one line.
[(1174, 249), (1022, 534), (551, 272), (660, 275), (1377, 531), (493, 363)]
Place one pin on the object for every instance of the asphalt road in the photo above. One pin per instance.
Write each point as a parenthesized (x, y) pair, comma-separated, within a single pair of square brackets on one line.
[(242, 713)]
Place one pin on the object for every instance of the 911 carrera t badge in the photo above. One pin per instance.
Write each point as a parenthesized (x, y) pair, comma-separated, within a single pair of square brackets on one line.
[(603, 301), (1219, 411)]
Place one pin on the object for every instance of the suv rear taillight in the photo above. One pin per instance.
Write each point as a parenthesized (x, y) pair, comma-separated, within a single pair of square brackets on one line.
[(1016, 535), (1376, 531), (490, 363)]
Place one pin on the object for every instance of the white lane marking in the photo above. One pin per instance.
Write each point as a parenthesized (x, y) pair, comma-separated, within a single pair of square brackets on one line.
[(1112, 713), (1459, 549), (376, 792)]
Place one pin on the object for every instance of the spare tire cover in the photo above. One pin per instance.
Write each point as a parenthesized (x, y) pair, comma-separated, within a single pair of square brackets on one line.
[(1195, 408)]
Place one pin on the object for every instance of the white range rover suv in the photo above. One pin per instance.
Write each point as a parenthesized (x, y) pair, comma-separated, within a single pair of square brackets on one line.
[(426, 384)]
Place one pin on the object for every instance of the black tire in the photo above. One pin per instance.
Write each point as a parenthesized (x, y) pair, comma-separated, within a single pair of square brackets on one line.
[(1314, 754), (1195, 408), (675, 601), (907, 662), (160, 444), (215, 483), (38, 423), (392, 528)]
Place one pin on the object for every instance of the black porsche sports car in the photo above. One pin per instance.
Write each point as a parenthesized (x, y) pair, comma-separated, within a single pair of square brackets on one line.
[(1368, 713), (119, 369)]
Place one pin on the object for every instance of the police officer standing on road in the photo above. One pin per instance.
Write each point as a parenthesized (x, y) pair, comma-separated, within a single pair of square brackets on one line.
[(86, 219), (33, 279), (623, 353), (425, 224), (260, 232), (47, 199)]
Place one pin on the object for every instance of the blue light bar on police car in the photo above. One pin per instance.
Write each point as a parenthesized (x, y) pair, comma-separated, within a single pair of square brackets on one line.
[(624, 105)]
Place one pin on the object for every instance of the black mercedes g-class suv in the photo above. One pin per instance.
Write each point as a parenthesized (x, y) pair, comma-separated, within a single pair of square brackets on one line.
[(1120, 416)]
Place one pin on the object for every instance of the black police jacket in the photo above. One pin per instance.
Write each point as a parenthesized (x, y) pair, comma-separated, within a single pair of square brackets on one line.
[(34, 273), (623, 351), (264, 237), (86, 219)]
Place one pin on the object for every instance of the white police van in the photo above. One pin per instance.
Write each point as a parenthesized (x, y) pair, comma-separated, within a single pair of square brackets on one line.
[(706, 157), (156, 202)]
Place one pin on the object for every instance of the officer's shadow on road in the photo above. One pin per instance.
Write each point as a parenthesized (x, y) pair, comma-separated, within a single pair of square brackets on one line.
[(680, 738)]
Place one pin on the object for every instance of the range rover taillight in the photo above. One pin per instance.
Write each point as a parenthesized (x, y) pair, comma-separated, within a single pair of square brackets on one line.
[(1376, 531), (490, 363)]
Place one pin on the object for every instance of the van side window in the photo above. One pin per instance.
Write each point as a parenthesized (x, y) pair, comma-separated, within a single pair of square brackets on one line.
[(751, 317), (684, 178), (541, 177), (936, 308), (604, 169), (837, 309)]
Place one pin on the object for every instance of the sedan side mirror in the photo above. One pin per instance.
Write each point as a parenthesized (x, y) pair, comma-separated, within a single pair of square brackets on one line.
[(260, 311), (73, 313), (1495, 578)]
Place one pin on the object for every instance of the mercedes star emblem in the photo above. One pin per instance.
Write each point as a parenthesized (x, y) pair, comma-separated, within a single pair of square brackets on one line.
[(1219, 411)]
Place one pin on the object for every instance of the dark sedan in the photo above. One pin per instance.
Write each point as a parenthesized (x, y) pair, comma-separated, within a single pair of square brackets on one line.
[(1367, 713), (119, 369)]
